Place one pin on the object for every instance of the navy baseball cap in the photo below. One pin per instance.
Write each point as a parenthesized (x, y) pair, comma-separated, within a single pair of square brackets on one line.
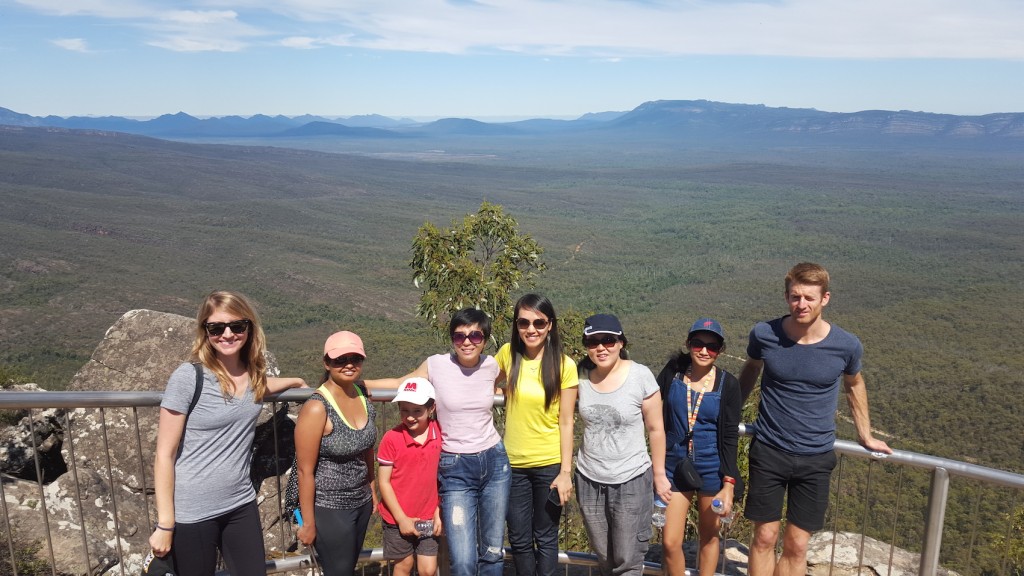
[(707, 325), (602, 324)]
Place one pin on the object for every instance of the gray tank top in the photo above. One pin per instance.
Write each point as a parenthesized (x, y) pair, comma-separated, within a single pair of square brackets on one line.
[(341, 477)]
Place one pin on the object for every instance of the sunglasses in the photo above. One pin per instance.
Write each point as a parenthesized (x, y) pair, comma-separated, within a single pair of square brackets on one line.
[(474, 337), (538, 323), (342, 361), (713, 347), (606, 340), (236, 327)]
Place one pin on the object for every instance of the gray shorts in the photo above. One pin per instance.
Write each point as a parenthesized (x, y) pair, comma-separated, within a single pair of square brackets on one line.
[(397, 546)]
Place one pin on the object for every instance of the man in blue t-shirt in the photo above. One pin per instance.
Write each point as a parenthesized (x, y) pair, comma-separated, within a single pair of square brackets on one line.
[(804, 358)]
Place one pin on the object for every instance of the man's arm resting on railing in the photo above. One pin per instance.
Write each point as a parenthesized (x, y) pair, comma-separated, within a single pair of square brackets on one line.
[(857, 398)]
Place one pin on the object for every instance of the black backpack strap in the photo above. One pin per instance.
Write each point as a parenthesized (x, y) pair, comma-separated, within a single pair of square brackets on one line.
[(199, 389), (191, 405)]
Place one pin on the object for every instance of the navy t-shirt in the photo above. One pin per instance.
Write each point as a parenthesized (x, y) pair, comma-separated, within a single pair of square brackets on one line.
[(800, 386)]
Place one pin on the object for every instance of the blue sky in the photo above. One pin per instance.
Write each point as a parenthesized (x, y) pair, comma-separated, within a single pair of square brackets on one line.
[(503, 59)]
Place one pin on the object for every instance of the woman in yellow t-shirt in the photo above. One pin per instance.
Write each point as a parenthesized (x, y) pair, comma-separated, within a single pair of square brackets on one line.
[(541, 398)]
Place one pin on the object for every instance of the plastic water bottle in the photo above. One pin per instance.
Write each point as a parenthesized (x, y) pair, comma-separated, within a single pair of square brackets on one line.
[(718, 507), (658, 516), (425, 528)]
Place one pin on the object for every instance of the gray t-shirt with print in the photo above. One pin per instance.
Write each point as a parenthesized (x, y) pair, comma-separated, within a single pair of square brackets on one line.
[(614, 447), (211, 474)]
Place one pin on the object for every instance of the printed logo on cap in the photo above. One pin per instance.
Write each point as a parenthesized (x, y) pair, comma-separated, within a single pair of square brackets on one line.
[(708, 323), (409, 387)]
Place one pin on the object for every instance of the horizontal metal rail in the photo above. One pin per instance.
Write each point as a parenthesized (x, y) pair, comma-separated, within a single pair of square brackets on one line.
[(942, 469)]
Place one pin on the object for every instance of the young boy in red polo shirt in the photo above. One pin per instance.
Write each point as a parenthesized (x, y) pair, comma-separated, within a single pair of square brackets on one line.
[(408, 458)]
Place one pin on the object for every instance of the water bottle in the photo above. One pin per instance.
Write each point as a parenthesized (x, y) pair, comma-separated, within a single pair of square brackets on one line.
[(718, 507), (425, 528), (658, 516)]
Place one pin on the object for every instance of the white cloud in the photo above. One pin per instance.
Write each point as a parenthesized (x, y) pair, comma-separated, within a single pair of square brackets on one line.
[(73, 44), (299, 42), (98, 8), (198, 44), (809, 28), (201, 31), (200, 18), (593, 28)]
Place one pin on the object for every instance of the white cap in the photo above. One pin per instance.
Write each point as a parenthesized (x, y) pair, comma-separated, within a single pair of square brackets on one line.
[(416, 390)]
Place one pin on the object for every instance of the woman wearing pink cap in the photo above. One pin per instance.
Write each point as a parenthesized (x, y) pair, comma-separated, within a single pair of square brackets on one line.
[(334, 439)]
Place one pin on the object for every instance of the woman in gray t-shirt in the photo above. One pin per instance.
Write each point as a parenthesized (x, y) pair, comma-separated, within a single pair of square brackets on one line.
[(616, 479), (205, 499)]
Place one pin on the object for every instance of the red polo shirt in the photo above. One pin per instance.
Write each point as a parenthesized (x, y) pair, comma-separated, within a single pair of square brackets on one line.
[(413, 472)]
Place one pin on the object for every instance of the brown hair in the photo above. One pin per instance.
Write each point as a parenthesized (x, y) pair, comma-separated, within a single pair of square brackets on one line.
[(253, 353), (808, 273)]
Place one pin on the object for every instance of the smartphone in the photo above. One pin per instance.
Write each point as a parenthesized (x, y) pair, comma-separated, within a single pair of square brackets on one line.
[(553, 497)]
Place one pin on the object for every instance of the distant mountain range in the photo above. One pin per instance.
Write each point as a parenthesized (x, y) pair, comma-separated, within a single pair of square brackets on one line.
[(696, 120)]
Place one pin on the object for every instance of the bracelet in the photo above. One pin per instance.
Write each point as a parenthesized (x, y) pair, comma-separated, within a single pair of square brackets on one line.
[(157, 526), (730, 480)]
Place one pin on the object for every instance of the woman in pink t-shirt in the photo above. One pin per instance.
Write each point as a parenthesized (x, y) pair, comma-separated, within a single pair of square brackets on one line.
[(473, 474)]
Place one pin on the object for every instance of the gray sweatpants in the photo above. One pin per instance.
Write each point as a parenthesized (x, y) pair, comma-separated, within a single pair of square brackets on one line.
[(618, 521)]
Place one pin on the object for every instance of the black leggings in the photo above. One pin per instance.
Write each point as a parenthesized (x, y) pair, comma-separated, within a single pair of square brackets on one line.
[(237, 534), (339, 538)]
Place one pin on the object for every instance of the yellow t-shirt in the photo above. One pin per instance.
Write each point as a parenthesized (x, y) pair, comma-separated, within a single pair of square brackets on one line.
[(531, 433)]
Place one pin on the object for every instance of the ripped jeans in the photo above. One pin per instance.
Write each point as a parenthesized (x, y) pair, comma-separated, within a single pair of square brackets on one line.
[(474, 499)]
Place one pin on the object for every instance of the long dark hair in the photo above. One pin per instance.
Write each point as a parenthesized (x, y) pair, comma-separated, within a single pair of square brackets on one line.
[(551, 362)]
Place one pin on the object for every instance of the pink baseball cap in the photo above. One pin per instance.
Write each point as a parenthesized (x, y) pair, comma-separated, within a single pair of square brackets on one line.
[(416, 390), (344, 342)]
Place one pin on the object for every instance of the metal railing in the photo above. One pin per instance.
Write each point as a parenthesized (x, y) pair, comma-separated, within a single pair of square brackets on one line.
[(850, 484)]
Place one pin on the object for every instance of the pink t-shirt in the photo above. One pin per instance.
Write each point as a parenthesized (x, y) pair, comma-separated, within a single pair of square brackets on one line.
[(465, 399)]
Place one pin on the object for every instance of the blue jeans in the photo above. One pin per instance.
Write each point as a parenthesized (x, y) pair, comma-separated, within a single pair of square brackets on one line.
[(474, 499), (618, 521), (533, 521)]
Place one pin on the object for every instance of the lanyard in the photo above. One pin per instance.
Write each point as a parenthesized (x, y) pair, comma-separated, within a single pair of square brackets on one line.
[(691, 413)]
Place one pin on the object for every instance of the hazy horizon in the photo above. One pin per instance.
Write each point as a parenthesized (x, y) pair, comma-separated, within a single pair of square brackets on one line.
[(506, 58)]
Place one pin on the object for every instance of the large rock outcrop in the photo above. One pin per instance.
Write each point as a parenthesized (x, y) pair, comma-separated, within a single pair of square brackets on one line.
[(108, 454)]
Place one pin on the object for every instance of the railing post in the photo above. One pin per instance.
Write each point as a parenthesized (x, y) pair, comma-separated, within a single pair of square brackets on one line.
[(936, 519)]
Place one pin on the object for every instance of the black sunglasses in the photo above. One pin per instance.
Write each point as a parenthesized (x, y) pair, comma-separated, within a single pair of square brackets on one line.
[(475, 337), (713, 347), (607, 340), (342, 361), (538, 323), (236, 327)]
